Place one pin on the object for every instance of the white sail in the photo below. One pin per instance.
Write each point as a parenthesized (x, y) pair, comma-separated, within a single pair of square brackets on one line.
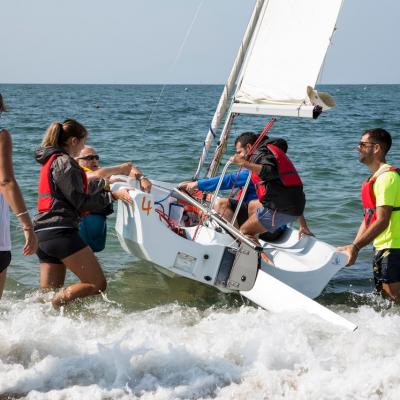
[(286, 55)]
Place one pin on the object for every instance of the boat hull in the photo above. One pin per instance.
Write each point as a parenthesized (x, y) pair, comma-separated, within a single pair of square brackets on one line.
[(305, 264)]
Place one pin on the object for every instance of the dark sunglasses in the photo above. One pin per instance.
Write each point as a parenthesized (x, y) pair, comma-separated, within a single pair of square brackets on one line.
[(364, 144), (90, 158)]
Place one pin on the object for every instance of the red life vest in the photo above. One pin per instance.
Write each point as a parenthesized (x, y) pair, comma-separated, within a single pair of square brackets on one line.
[(368, 197), (46, 192), (286, 171)]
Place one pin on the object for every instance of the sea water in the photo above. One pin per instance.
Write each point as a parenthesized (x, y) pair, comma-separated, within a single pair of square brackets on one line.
[(153, 337)]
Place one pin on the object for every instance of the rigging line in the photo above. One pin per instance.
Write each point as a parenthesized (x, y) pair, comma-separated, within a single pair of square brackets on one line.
[(173, 65)]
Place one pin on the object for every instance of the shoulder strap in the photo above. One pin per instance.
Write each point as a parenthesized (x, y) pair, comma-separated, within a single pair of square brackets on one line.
[(387, 169)]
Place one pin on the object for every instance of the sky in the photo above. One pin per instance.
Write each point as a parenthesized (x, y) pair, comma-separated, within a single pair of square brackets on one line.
[(141, 41)]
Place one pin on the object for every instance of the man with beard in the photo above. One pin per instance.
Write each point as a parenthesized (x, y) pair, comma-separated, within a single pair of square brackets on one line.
[(281, 199), (380, 196), (227, 206)]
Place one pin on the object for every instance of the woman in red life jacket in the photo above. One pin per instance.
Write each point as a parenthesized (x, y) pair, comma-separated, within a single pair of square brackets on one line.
[(279, 188), (10, 195), (63, 197)]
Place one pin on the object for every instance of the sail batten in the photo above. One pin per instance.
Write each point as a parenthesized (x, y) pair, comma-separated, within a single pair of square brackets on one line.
[(287, 52), (284, 110)]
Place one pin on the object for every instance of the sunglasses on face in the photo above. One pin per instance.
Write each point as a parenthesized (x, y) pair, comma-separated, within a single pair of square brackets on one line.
[(90, 158), (365, 144)]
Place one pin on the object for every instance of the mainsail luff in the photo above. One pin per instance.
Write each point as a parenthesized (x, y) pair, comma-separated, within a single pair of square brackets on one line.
[(229, 85)]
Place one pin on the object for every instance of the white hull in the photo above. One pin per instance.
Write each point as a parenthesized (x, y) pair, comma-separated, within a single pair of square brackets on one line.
[(306, 265)]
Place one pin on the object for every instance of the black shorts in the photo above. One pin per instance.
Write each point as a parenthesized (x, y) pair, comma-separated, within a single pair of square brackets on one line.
[(386, 267), (57, 244), (5, 259), (243, 213)]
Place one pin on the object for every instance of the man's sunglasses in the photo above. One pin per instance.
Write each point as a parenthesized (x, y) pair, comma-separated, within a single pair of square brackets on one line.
[(90, 158), (365, 144)]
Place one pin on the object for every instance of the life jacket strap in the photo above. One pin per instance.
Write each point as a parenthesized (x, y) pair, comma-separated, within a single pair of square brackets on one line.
[(373, 210), (370, 212)]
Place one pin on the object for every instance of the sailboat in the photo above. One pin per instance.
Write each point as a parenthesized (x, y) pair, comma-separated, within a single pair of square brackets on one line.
[(274, 74)]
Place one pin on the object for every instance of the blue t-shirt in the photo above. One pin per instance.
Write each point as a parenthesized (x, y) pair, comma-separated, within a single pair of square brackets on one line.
[(210, 184)]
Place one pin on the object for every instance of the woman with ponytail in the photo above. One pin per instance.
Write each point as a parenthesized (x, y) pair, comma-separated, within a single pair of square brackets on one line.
[(63, 197), (10, 194)]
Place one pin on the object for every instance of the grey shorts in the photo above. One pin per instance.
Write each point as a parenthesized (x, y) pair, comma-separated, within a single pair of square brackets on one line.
[(271, 220)]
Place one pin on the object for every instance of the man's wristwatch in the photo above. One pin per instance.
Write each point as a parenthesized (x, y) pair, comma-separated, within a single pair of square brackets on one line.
[(139, 177)]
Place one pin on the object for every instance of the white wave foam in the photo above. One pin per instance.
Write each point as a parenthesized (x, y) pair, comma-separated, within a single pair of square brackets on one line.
[(175, 352)]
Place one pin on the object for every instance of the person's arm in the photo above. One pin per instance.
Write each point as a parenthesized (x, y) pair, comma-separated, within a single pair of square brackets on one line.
[(12, 193), (304, 229), (361, 230), (383, 214), (105, 173), (242, 162), (210, 184), (263, 165), (367, 235), (205, 185), (385, 189), (122, 169), (68, 179)]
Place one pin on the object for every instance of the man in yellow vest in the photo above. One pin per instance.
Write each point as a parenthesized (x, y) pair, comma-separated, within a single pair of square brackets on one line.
[(380, 195), (93, 227)]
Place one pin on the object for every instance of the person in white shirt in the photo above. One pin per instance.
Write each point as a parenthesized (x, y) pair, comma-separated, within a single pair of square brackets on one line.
[(10, 195)]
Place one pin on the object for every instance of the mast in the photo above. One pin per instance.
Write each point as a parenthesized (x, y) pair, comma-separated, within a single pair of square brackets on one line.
[(229, 85)]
